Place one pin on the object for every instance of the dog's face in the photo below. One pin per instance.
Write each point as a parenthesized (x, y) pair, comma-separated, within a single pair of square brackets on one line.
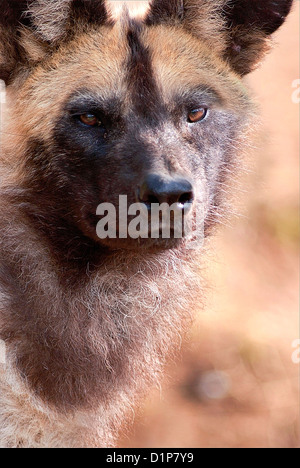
[(152, 109), (114, 114)]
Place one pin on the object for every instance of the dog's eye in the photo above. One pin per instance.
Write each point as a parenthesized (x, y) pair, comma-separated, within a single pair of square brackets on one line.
[(90, 119), (196, 115)]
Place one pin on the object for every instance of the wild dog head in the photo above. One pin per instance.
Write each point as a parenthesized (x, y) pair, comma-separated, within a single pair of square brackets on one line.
[(150, 108)]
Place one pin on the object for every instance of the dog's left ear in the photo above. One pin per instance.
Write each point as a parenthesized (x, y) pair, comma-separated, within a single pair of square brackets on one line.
[(238, 30)]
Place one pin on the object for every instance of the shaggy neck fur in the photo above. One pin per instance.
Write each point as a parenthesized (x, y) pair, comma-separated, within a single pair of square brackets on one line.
[(78, 345)]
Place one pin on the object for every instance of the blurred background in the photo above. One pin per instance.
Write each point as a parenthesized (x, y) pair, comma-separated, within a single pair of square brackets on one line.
[(236, 384)]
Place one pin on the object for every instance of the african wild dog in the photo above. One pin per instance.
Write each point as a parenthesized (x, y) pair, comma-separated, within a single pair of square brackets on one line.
[(153, 108)]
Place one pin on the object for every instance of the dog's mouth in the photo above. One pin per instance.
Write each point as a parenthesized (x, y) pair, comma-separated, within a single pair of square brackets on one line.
[(136, 233)]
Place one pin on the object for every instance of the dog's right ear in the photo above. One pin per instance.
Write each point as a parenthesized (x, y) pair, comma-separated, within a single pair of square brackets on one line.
[(21, 38), (29, 29)]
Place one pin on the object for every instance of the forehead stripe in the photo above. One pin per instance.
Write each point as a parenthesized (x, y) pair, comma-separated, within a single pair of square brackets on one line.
[(145, 94)]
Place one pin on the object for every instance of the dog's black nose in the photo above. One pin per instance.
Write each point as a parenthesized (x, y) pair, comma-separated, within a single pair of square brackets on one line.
[(166, 189)]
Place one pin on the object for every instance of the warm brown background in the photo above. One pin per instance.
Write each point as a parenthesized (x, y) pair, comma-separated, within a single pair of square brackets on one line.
[(240, 348)]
